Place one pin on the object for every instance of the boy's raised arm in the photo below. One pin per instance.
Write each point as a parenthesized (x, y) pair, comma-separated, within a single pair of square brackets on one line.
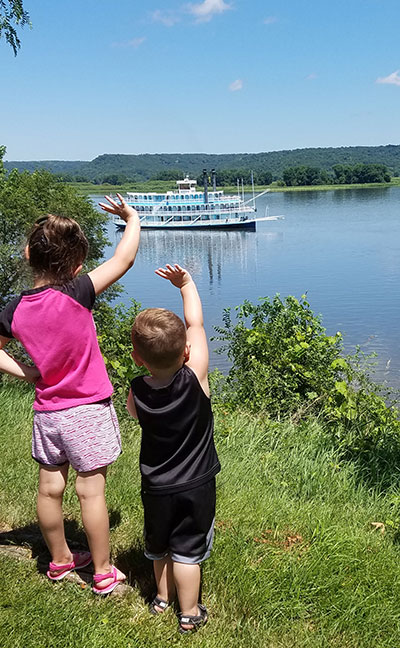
[(193, 313), (110, 271)]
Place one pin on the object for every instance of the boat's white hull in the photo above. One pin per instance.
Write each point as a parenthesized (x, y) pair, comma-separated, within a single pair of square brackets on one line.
[(248, 224)]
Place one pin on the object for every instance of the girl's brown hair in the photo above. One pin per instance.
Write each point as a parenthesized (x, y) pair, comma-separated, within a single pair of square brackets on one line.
[(159, 337), (57, 247)]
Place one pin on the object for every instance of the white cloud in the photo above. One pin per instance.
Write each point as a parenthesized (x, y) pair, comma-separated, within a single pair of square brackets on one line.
[(270, 20), (135, 43), (311, 77), (236, 85), (205, 10), (392, 79), (168, 18)]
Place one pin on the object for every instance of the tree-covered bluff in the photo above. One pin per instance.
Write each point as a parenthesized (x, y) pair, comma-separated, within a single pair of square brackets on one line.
[(111, 167)]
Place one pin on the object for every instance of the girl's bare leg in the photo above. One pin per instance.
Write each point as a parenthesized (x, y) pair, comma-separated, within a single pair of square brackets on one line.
[(90, 488), (52, 482), (164, 579)]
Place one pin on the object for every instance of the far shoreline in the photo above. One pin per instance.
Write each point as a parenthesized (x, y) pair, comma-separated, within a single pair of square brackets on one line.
[(159, 186)]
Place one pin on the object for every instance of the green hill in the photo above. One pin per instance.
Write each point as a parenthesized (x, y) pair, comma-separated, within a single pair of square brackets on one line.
[(146, 166)]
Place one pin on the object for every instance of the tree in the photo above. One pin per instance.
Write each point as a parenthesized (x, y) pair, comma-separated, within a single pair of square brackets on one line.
[(12, 14), (360, 173), (23, 198)]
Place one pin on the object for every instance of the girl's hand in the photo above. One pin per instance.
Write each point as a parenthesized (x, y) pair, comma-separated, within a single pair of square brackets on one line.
[(178, 276), (122, 209)]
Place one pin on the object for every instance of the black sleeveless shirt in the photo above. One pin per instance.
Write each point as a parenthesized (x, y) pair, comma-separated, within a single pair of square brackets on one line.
[(177, 451)]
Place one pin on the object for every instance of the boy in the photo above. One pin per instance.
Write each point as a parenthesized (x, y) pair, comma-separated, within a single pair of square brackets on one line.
[(178, 461)]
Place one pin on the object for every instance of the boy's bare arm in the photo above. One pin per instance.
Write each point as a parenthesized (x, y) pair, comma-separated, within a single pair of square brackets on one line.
[(15, 368), (125, 253), (130, 405), (193, 313)]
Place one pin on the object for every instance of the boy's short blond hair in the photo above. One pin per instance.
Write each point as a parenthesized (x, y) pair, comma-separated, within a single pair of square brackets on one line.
[(159, 337)]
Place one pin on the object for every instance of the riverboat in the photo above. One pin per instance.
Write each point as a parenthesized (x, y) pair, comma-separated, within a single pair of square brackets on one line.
[(191, 208)]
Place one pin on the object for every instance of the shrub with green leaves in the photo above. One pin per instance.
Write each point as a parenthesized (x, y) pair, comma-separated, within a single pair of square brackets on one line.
[(284, 365), (114, 325), (282, 359)]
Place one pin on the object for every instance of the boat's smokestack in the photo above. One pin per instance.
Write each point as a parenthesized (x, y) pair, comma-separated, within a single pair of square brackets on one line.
[(205, 183), (214, 180)]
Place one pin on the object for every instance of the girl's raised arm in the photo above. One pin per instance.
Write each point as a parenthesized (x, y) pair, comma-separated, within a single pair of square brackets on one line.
[(125, 253)]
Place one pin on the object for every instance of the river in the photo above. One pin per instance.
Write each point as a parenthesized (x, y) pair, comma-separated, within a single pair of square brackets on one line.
[(341, 248)]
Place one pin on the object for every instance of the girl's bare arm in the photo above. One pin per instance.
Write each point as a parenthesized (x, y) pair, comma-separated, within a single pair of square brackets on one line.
[(15, 368), (125, 253)]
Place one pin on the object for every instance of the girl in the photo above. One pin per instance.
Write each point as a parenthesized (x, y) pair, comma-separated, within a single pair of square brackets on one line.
[(74, 420)]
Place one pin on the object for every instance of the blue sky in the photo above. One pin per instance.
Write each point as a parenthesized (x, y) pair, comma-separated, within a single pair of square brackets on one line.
[(213, 76)]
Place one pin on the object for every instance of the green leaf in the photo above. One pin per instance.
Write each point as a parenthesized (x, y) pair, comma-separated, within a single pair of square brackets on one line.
[(341, 387)]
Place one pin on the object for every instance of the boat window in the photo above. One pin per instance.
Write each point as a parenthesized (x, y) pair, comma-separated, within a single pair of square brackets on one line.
[(198, 207)]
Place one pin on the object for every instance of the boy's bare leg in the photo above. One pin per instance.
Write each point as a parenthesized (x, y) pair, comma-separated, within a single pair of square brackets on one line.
[(90, 488), (165, 580), (52, 482), (187, 581)]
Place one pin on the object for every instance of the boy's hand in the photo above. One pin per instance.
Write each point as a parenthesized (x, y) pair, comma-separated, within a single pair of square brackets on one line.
[(178, 276), (122, 209)]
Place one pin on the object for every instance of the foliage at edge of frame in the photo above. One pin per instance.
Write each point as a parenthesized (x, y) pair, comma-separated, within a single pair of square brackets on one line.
[(285, 366)]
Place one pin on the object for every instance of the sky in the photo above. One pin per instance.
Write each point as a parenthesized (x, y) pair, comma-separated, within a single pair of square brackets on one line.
[(212, 76)]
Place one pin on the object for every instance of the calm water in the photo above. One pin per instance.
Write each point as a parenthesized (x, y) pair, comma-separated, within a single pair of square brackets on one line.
[(342, 248)]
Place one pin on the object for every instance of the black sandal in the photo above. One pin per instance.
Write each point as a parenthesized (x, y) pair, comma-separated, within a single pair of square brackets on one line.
[(196, 621), (158, 603)]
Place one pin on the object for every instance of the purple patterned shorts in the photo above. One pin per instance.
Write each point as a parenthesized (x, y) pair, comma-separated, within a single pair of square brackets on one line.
[(87, 436)]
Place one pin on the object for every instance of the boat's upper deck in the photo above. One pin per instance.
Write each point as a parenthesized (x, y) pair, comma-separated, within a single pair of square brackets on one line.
[(187, 194)]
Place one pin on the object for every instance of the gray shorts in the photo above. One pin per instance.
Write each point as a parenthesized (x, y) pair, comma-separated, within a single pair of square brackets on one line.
[(86, 436)]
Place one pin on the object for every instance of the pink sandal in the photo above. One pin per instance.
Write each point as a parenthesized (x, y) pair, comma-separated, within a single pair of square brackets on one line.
[(117, 578), (79, 560)]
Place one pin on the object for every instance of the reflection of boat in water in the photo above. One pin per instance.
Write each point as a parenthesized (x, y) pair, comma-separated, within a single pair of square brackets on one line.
[(190, 208), (214, 253)]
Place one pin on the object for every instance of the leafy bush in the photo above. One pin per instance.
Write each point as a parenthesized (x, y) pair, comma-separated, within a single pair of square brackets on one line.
[(281, 358), (284, 365), (114, 325)]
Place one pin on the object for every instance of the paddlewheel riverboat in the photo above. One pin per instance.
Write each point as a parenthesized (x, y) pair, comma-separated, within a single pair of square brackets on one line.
[(191, 208)]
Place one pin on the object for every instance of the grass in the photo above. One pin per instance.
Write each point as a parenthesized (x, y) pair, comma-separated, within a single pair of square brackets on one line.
[(160, 186), (297, 561)]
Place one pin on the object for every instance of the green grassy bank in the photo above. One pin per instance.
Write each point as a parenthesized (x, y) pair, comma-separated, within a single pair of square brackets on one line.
[(160, 186), (298, 560)]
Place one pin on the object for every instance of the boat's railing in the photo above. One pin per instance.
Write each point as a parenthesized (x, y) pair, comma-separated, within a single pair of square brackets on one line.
[(152, 210), (158, 207)]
